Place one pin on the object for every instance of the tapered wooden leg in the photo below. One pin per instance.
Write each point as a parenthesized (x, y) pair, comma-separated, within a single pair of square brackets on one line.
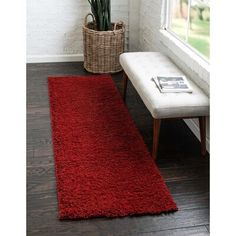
[(125, 82), (156, 132), (202, 125)]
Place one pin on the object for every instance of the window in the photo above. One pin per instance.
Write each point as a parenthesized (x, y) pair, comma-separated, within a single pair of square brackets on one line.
[(189, 20)]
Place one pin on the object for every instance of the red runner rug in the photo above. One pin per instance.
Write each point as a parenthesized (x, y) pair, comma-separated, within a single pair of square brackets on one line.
[(103, 167)]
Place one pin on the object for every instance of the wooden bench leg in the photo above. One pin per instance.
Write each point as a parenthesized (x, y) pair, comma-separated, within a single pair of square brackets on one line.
[(156, 132), (125, 82), (202, 125)]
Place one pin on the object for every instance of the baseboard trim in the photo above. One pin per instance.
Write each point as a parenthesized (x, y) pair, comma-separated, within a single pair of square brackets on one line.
[(54, 58), (195, 129)]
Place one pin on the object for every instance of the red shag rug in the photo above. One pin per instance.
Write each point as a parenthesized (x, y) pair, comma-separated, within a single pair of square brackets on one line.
[(103, 167)]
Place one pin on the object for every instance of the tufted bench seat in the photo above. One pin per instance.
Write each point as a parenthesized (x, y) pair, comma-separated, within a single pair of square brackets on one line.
[(139, 68)]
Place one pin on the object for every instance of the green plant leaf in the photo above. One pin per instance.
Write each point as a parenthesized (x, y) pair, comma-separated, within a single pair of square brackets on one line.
[(101, 10)]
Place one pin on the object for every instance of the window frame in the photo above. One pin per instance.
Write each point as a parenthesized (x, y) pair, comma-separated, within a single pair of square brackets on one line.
[(166, 27)]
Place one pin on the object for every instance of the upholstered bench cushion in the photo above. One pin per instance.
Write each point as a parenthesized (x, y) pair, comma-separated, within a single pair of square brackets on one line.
[(140, 67)]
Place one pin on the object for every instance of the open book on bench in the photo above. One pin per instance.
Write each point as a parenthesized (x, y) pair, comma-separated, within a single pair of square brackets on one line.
[(172, 84)]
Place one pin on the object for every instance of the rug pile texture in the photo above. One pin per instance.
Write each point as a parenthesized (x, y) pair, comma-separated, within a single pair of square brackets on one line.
[(103, 168)]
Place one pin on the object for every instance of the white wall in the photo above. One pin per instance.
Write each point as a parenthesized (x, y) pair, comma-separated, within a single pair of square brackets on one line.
[(150, 21), (54, 28), (134, 24)]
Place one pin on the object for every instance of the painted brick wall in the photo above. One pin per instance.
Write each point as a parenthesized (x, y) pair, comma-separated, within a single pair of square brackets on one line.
[(150, 21), (54, 27), (134, 24)]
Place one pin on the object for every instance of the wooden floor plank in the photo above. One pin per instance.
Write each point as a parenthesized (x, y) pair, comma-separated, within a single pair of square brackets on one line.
[(124, 226), (191, 231)]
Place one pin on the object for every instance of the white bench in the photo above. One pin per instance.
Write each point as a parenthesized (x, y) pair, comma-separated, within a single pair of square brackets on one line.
[(139, 68)]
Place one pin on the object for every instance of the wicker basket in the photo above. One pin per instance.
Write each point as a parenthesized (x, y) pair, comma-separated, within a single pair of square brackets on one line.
[(102, 48)]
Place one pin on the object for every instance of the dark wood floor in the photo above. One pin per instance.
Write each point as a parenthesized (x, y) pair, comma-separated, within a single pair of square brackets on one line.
[(184, 170)]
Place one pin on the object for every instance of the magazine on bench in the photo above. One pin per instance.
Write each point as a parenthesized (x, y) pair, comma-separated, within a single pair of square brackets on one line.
[(172, 84)]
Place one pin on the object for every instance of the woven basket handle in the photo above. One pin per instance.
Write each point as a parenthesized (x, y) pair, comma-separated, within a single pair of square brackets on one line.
[(86, 18), (119, 23)]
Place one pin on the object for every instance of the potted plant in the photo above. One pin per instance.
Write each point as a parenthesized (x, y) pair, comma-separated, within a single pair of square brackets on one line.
[(103, 40)]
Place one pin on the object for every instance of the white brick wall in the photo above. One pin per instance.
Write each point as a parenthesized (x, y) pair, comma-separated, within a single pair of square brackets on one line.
[(54, 28), (150, 20), (134, 24)]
